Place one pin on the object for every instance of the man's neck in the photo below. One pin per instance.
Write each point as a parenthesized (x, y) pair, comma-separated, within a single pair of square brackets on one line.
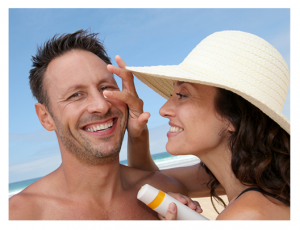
[(80, 179)]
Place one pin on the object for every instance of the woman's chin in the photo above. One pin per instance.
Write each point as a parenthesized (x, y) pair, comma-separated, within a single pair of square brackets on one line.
[(175, 150)]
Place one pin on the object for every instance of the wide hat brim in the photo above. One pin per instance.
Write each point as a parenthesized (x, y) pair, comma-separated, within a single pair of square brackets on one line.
[(161, 78)]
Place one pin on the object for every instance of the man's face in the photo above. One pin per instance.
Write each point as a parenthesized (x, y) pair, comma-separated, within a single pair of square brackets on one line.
[(87, 125)]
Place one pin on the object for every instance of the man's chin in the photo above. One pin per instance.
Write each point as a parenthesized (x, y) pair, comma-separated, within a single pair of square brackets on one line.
[(93, 157), (104, 159)]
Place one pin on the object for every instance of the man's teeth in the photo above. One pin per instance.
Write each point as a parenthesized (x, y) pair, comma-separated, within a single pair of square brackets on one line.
[(100, 127), (175, 129)]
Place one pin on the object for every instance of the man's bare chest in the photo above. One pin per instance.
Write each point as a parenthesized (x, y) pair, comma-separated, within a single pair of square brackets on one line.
[(126, 208)]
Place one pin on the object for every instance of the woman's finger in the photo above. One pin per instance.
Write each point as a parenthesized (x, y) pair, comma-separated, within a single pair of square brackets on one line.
[(143, 118), (187, 201), (171, 212), (178, 197), (120, 62), (125, 75), (128, 82), (133, 102), (198, 207)]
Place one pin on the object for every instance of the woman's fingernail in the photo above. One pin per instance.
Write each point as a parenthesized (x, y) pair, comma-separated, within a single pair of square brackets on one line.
[(198, 208), (172, 207), (107, 92)]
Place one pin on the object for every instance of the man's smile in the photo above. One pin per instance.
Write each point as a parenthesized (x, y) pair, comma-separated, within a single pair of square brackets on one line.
[(101, 128)]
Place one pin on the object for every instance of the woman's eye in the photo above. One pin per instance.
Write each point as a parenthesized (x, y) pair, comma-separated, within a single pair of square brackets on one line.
[(180, 95)]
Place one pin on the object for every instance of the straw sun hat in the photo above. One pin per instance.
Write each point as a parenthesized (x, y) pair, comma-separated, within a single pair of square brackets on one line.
[(233, 60)]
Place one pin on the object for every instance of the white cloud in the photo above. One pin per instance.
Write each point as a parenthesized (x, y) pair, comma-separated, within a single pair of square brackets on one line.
[(42, 135), (33, 169)]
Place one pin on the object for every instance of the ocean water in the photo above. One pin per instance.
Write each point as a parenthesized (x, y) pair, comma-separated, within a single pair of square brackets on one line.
[(16, 187), (162, 160)]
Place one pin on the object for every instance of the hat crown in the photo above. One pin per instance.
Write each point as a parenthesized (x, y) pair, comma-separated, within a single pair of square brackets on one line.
[(245, 60)]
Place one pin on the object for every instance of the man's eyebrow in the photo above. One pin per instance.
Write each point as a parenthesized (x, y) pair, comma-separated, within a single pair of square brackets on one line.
[(74, 88)]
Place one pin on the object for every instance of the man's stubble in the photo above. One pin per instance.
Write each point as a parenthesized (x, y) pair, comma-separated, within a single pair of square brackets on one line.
[(82, 148)]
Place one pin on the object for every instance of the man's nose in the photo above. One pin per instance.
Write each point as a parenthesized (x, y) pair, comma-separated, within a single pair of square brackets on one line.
[(98, 104)]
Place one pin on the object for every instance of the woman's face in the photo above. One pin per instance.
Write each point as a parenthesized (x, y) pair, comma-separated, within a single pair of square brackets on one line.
[(196, 128)]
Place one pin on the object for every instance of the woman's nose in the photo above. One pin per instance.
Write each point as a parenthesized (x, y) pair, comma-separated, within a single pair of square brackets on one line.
[(168, 109)]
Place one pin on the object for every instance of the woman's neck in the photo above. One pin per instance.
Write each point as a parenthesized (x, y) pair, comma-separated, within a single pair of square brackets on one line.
[(219, 163)]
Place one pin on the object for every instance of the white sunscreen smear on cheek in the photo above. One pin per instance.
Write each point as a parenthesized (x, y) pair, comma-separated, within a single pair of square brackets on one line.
[(159, 202)]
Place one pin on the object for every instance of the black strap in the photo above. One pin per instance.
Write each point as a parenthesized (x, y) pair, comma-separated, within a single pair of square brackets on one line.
[(266, 193)]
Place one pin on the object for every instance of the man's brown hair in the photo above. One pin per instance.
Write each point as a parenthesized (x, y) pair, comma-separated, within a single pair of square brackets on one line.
[(56, 47)]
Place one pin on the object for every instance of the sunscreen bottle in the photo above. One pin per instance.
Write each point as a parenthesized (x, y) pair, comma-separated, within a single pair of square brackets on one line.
[(159, 202)]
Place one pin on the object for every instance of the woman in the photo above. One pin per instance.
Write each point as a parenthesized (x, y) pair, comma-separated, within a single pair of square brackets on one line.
[(224, 105)]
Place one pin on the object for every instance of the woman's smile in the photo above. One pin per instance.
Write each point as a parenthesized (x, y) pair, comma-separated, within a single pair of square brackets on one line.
[(174, 130)]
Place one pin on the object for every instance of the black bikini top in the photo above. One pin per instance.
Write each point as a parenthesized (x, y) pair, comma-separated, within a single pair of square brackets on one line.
[(268, 194)]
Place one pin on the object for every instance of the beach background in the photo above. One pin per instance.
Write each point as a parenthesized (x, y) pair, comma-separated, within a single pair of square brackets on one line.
[(142, 37)]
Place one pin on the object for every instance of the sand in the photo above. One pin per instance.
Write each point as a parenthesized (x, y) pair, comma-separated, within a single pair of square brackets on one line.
[(208, 210)]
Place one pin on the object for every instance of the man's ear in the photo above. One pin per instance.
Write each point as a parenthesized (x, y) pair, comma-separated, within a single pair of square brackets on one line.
[(44, 117)]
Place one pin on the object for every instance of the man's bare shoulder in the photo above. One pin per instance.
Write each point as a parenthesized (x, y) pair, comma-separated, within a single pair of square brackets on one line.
[(29, 203), (137, 177), (23, 206)]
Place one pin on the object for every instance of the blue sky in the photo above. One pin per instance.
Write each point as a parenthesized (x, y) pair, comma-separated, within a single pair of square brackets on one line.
[(142, 37)]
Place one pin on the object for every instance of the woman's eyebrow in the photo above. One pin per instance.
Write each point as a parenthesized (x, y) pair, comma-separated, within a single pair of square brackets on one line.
[(178, 83)]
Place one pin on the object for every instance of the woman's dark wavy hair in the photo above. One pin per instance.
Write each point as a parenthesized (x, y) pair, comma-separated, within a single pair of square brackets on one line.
[(260, 148), (55, 47)]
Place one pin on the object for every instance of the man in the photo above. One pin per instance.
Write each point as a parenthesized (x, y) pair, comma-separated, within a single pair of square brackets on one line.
[(68, 79)]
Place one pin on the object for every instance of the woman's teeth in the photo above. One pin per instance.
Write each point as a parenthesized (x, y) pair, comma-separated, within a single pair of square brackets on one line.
[(101, 127), (175, 129)]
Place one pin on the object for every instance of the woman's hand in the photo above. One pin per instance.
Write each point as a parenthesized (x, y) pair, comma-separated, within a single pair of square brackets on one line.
[(172, 209), (138, 148), (137, 119)]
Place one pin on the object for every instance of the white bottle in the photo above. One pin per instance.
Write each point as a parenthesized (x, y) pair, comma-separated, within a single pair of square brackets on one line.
[(159, 202)]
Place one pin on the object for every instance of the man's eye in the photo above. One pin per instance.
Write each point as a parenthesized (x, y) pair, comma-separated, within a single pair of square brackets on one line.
[(76, 95), (106, 87)]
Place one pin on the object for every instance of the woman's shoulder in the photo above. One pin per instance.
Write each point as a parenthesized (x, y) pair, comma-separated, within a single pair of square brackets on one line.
[(254, 205)]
